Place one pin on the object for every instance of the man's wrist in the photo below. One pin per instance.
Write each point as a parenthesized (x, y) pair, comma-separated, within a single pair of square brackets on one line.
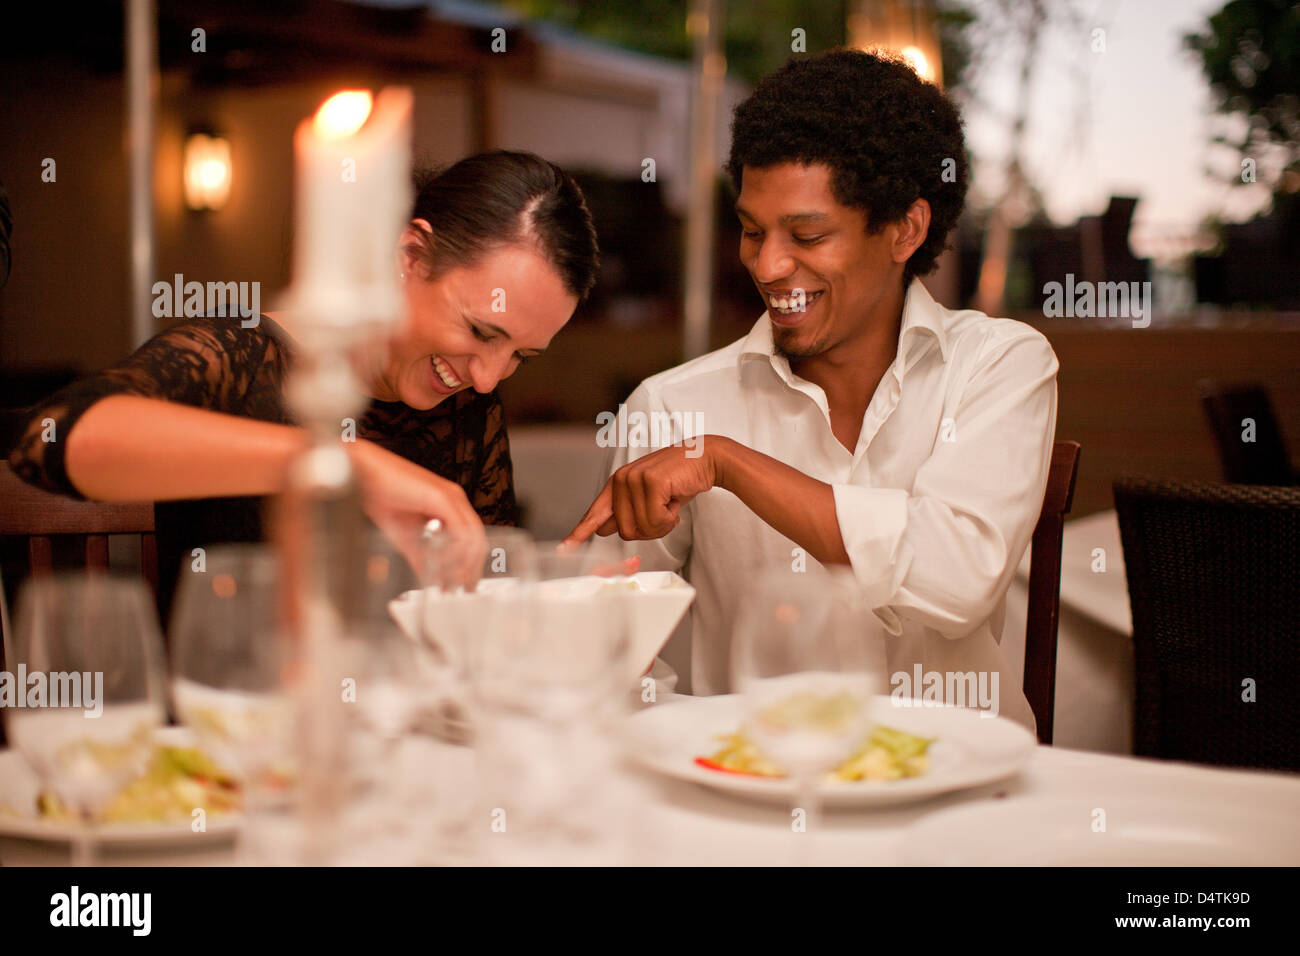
[(719, 451)]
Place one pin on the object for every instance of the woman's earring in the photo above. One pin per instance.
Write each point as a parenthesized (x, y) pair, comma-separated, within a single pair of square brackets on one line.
[(401, 275)]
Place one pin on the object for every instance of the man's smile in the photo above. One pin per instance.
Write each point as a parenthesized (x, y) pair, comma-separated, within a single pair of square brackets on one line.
[(790, 308)]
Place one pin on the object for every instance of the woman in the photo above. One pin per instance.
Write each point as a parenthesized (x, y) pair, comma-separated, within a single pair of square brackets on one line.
[(196, 420)]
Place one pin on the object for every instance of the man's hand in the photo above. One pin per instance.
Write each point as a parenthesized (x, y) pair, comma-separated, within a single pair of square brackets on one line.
[(643, 499)]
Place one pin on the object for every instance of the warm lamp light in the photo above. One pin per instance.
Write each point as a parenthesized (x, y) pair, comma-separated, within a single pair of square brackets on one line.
[(918, 62), (207, 171), (905, 28)]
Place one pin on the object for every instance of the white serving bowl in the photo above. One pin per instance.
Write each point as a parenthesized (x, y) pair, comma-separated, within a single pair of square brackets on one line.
[(656, 602)]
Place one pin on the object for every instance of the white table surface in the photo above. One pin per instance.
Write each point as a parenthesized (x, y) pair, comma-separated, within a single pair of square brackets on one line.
[(679, 823)]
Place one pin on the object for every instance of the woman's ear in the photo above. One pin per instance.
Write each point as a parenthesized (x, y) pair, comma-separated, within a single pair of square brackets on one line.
[(416, 233)]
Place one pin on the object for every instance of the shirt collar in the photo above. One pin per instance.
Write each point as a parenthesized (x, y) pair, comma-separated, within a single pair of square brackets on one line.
[(921, 315)]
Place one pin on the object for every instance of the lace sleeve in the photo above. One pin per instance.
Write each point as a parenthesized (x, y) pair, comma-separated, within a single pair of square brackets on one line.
[(494, 494), (211, 363)]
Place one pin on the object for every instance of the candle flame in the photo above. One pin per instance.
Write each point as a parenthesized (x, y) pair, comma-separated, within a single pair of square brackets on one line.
[(343, 114)]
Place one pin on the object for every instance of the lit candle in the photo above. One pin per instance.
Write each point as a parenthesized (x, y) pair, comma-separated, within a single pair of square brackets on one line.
[(353, 197)]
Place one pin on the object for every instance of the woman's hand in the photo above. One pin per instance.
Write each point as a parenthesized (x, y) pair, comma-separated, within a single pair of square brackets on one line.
[(401, 498)]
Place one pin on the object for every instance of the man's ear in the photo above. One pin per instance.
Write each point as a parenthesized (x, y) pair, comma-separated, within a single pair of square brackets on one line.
[(912, 230)]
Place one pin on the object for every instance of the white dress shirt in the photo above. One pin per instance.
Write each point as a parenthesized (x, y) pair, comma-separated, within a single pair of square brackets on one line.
[(936, 504)]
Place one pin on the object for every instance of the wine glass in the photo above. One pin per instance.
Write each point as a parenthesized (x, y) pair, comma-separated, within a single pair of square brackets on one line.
[(229, 665), (476, 586), (93, 641), (802, 658), (549, 688), (388, 678), (474, 610), (391, 674)]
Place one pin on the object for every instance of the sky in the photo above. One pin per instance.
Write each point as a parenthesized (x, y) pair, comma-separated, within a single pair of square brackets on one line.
[(1132, 120)]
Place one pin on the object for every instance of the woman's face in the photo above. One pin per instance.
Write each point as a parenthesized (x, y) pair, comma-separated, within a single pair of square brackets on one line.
[(473, 326)]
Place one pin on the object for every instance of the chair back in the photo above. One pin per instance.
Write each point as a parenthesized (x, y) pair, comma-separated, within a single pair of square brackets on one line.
[(39, 517), (1044, 609), (1247, 434), (50, 526), (1214, 583)]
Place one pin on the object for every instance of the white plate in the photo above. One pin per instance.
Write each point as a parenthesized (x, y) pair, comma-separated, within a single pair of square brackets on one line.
[(19, 787), (969, 750), (657, 601), (1159, 830)]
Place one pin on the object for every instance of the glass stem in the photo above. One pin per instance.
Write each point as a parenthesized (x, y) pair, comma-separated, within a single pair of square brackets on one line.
[(810, 803), (83, 844)]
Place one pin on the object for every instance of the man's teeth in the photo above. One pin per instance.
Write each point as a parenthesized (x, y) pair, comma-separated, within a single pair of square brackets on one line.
[(445, 374), (787, 305)]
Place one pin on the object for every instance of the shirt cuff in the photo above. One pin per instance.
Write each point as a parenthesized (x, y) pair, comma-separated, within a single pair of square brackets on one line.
[(872, 522)]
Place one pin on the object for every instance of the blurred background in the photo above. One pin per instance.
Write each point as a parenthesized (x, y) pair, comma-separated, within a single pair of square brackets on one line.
[(1113, 141)]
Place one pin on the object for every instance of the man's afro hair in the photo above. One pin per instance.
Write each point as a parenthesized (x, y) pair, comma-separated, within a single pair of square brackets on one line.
[(888, 136)]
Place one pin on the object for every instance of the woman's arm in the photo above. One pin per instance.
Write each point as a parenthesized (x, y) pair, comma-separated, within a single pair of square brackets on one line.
[(159, 426), (128, 448), (132, 448), (182, 380)]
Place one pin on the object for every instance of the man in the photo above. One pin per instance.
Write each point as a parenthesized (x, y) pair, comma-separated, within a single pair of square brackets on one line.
[(859, 423)]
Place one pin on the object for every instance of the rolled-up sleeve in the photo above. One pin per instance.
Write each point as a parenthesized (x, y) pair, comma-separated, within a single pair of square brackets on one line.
[(873, 524), (945, 552), (670, 552)]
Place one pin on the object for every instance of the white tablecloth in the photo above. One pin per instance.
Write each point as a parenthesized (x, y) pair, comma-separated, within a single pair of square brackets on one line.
[(679, 823)]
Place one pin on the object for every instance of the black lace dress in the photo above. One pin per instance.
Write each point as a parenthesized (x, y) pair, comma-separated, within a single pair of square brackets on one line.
[(215, 363)]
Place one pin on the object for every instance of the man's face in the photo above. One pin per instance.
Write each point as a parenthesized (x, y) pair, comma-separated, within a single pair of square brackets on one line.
[(796, 238)]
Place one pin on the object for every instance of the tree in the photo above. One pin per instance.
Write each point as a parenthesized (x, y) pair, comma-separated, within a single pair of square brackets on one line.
[(1250, 53), (758, 31)]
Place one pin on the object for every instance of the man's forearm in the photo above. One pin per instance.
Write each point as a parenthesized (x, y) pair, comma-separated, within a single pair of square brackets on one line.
[(800, 507)]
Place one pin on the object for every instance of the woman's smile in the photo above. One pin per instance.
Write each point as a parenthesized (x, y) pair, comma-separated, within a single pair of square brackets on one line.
[(443, 377)]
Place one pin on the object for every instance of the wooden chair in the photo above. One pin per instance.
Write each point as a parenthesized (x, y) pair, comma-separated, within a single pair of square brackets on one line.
[(1044, 609), (39, 516)]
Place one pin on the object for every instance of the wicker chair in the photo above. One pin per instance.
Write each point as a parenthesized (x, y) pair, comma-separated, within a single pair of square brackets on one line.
[(1214, 583)]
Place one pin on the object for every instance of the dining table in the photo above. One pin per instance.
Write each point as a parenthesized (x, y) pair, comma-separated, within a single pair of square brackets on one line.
[(669, 822)]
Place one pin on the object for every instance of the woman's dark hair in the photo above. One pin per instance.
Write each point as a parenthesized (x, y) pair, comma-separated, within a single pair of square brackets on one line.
[(501, 198), (888, 136)]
